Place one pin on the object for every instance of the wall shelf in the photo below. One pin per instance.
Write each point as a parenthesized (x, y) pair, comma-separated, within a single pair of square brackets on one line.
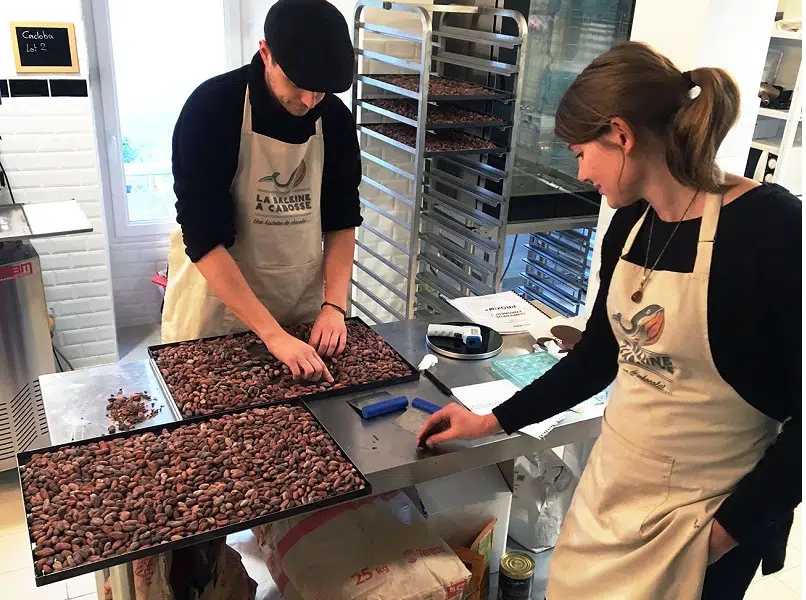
[(773, 113), (775, 154)]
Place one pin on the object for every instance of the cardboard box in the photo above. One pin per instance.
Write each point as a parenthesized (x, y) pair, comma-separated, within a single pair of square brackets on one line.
[(478, 586), (459, 506)]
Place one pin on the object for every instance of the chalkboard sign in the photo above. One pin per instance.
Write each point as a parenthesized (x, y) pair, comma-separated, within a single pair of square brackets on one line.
[(44, 47)]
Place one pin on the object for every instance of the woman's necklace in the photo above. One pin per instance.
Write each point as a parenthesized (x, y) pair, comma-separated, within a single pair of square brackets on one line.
[(638, 295)]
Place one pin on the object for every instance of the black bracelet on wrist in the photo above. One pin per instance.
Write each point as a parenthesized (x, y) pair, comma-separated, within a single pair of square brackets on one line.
[(336, 306)]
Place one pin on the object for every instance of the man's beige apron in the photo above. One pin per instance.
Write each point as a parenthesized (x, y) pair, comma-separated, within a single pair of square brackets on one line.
[(278, 241), (676, 438)]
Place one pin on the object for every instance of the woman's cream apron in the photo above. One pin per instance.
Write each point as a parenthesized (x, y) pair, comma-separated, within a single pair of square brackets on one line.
[(676, 439), (278, 242)]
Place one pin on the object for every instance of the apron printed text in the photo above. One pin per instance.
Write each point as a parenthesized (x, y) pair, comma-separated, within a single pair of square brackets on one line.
[(294, 203)]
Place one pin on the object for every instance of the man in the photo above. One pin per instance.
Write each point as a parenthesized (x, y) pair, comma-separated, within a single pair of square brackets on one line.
[(266, 161)]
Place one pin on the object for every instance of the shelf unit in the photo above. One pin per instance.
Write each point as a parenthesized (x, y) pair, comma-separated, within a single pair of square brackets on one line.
[(456, 205), (778, 135)]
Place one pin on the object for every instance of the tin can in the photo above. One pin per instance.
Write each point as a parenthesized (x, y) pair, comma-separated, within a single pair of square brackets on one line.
[(515, 576)]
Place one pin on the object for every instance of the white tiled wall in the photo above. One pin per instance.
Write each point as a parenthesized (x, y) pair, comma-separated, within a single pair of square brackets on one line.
[(134, 263), (48, 148)]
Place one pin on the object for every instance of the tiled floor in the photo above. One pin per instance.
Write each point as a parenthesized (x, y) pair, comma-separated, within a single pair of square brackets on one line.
[(133, 342)]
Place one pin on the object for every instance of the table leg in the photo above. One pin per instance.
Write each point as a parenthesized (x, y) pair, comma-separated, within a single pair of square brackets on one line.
[(121, 578), (100, 579)]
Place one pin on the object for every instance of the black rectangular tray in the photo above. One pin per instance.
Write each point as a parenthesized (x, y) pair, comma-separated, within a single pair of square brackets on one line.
[(363, 128), (491, 121), (105, 563), (492, 93), (318, 395)]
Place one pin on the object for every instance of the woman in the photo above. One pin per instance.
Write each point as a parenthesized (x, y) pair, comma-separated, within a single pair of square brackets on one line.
[(698, 320)]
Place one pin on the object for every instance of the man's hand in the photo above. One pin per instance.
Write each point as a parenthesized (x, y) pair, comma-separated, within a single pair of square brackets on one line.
[(455, 422), (329, 333), (720, 543), (299, 357)]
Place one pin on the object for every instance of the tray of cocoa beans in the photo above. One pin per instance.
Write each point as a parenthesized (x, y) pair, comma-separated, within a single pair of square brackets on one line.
[(438, 116), (108, 500), (445, 142), (439, 88), (225, 373)]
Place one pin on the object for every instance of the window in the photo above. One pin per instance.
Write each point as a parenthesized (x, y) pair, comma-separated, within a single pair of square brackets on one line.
[(151, 55)]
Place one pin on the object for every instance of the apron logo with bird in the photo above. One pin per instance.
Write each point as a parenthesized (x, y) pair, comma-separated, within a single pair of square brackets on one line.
[(644, 329), (294, 180), (281, 201)]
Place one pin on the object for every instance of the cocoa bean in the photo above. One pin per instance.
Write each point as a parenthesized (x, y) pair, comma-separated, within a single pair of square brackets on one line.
[(161, 486), (233, 377)]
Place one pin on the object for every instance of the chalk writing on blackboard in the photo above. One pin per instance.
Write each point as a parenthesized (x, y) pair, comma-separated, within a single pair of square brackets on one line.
[(44, 47)]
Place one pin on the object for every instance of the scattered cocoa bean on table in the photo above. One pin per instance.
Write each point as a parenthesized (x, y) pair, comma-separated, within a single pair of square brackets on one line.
[(211, 376), (86, 502), (128, 410)]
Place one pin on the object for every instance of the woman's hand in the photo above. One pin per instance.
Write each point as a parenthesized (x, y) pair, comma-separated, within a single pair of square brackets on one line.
[(455, 422), (720, 543)]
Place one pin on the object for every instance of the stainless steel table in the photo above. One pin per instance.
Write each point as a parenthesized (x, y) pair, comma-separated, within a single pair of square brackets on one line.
[(386, 453)]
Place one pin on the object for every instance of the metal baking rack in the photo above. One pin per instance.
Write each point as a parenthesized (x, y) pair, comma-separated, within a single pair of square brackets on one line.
[(124, 557), (459, 199)]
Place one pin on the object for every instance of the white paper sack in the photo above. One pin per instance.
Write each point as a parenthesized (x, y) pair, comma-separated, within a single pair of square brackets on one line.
[(543, 488), (372, 549)]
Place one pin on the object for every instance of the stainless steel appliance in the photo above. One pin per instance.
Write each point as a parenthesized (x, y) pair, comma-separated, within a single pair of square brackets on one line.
[(25, 345)]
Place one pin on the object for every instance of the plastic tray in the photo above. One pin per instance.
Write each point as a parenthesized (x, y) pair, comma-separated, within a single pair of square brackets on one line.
[(313, 395), (524, 369), (24, 457)]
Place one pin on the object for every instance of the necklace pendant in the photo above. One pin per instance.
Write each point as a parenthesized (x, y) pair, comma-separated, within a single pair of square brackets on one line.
[(637, 296)]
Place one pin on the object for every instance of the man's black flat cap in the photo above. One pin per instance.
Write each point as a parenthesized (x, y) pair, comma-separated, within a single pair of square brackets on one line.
[(310, 41)]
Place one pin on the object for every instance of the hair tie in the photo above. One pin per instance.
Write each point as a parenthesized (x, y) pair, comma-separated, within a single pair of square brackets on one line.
[(693, 89)]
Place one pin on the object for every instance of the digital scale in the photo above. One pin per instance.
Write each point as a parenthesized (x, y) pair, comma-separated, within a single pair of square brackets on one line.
[(450, 340)]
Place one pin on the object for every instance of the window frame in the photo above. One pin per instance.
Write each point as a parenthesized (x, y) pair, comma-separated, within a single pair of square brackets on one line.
[(103, 93)]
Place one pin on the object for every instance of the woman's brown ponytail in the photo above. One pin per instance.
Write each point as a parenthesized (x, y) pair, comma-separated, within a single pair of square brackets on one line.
[(643, 87), (699, 127)]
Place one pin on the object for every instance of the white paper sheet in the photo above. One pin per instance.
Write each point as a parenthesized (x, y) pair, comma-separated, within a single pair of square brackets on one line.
[(505, 312), (482, 398)]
